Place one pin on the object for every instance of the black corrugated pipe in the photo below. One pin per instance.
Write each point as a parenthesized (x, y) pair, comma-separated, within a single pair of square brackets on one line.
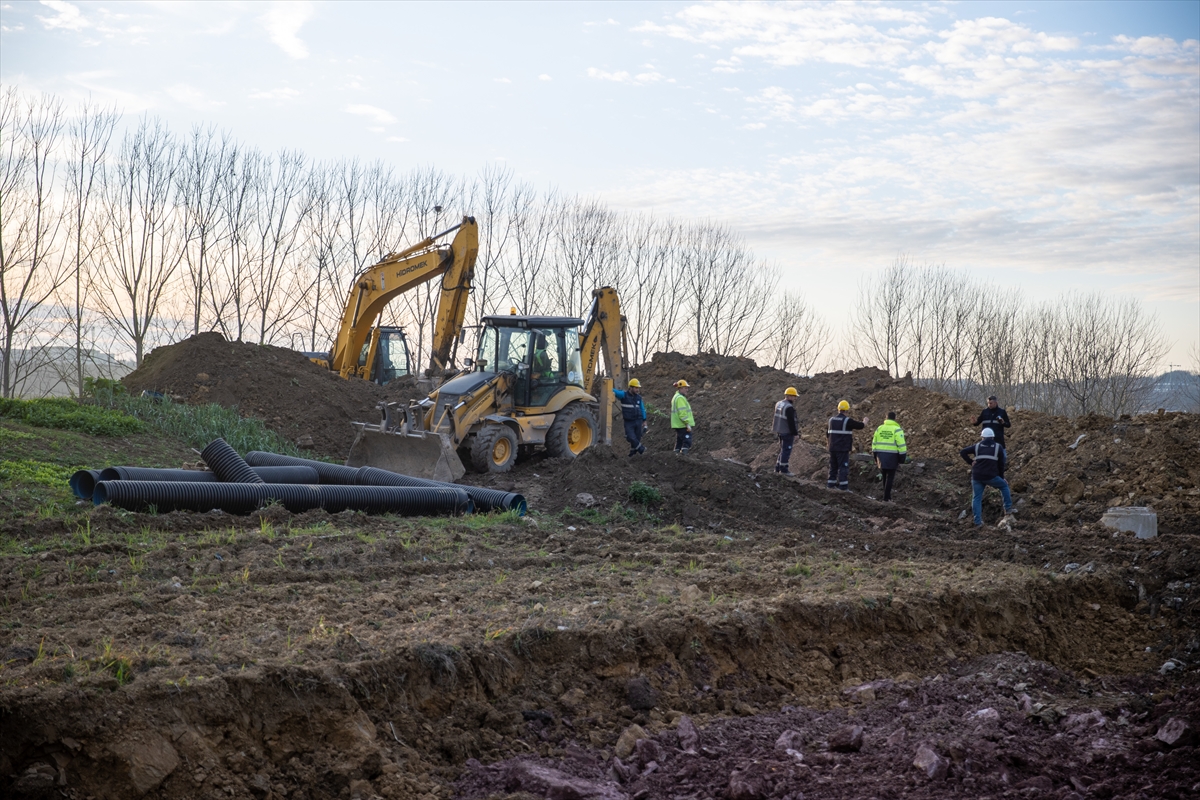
[(328, 473), (83, 483), (484, 499), (243, 498), (268, 475), (406, 500), (227, 464), (234, 498)]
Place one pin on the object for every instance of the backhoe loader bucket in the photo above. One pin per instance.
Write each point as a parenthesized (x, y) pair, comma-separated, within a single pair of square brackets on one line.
[(418, 454)]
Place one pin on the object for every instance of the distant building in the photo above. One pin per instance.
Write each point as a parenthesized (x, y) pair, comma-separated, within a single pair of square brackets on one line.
[(50, 371)]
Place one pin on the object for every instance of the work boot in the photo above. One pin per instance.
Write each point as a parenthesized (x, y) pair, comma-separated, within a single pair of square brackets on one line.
[(683, 451), (633, 452), (641, 449)]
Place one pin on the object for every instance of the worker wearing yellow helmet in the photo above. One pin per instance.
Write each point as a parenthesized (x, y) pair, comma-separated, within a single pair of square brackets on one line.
[(682, 420), (840, 436), (784, 425), (633, 412)]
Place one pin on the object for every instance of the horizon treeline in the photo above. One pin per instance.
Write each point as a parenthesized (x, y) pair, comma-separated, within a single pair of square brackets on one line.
[(119, 238)]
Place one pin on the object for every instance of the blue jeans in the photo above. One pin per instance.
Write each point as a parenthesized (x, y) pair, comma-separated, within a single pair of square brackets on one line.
[(633, 435), (977, 496), (786, 443)]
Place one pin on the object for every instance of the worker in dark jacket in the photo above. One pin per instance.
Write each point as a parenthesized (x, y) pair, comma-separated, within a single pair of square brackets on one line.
[(890, 451), (633, 412), (784, 425), (840, 436), (994, 417), (988, 460)]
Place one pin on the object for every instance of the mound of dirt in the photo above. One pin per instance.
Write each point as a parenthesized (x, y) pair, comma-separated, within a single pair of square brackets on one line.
[(293, 396)]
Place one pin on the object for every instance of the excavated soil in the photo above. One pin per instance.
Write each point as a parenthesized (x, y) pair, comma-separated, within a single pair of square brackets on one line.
[(746, 635), (303, 402)]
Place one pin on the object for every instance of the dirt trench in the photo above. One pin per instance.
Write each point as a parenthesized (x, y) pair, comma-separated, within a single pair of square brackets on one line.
[(404, 725)]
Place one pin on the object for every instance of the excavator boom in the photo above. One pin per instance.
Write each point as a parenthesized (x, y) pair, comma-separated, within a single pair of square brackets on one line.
[(396, 274), (604, 339)]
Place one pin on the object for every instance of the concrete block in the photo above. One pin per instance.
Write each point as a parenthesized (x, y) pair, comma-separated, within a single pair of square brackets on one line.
[(1139, 520)]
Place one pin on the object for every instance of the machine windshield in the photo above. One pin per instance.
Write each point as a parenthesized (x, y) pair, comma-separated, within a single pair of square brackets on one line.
[(504, 350)]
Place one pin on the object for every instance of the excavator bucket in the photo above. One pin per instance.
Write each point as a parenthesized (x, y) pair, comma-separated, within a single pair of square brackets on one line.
[(418, 454)]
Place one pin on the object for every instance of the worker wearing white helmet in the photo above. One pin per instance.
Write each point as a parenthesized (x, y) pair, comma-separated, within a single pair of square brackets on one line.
[(633, 412), (840, 437), (784, 425), (682, 420), (988, 460)]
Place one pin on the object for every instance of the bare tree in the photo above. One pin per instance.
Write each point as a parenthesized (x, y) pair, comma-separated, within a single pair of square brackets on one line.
[(533, 218), (203, 159), (31, 264), (879, 320), (488, 199), (145, 238), (274, 290), (798, 337), (90, 131)]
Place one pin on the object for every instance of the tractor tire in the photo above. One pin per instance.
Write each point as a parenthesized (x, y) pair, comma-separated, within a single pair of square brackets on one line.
[(494, 450), (573, 431)]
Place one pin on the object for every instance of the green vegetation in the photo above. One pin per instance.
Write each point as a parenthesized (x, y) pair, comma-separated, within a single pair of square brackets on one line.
[(29, 471), (63, 413), (644, 493), (196, 426)]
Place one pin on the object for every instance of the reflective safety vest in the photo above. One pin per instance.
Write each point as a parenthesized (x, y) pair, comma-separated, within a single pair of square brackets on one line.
[(889, 438), (681, 412), (631, 405), (841, 438), (987, 452), (779, 423)]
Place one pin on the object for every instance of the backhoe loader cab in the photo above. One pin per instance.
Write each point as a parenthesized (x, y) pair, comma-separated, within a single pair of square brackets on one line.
[(542, 353)]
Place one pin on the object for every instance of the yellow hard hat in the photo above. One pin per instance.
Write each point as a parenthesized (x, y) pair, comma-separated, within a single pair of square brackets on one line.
[(681, 384), (634, 383), (844, 405), (791, 392)]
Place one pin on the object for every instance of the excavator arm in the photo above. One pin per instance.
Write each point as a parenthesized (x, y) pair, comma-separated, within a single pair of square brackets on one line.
[(396, 274), (604, 338)]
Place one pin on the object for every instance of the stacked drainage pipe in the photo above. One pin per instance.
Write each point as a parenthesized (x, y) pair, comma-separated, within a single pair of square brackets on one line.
[(235, 487), (243, 498), (484, 499)]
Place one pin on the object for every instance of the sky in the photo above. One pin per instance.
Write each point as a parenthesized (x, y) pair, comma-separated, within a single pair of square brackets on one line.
[(1048, 146)]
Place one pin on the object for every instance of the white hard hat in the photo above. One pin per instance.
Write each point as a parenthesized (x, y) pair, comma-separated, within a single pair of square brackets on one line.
[(988, 433)]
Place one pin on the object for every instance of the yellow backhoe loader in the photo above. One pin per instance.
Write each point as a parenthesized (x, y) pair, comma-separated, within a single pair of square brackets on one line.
[(380, 353), (535, 381)]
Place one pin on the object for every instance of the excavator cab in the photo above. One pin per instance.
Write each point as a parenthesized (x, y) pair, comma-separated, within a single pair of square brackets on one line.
[(384, 356)]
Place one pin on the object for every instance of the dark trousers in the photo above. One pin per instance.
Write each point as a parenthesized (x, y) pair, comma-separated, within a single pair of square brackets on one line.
[(633, 435), (683, 440), (889, 475), (786, 443), (839, 471)]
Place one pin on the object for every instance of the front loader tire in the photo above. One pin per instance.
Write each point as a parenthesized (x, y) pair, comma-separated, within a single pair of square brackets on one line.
[(573, 431), (494, 450)]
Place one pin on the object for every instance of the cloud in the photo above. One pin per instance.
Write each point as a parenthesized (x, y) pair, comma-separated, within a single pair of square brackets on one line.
[(192, 97), (373, 113), (282, 93), (501, 80), (283, 22), (640, 79), (68, 17), (396, 139), (544, 77)]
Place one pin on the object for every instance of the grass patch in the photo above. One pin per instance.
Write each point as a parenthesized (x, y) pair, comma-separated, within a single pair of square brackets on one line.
[(29, 471), (644, 493), (63, 413), (798, 569), (196, 426)]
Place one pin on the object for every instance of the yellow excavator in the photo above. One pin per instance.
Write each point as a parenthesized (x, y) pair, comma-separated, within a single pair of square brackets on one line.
[(535, 381), (379, 353)]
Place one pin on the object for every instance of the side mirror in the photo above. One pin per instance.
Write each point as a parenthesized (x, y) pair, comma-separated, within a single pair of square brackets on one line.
[(468, 363)]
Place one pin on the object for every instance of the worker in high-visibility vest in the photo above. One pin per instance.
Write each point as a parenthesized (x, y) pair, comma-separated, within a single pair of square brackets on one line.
[(840, 437), (682, 420), (633, 412), (784, 425), (890, 451)]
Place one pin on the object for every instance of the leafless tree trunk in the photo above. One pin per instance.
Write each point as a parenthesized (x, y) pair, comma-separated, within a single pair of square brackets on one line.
[(31, 264), (798, 337), (880, 317), (145, 241), (489, 201), (203, 160), (273, 291), (90, 131)]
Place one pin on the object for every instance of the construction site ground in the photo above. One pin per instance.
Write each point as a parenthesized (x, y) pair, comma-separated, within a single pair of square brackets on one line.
[(656, 627)]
